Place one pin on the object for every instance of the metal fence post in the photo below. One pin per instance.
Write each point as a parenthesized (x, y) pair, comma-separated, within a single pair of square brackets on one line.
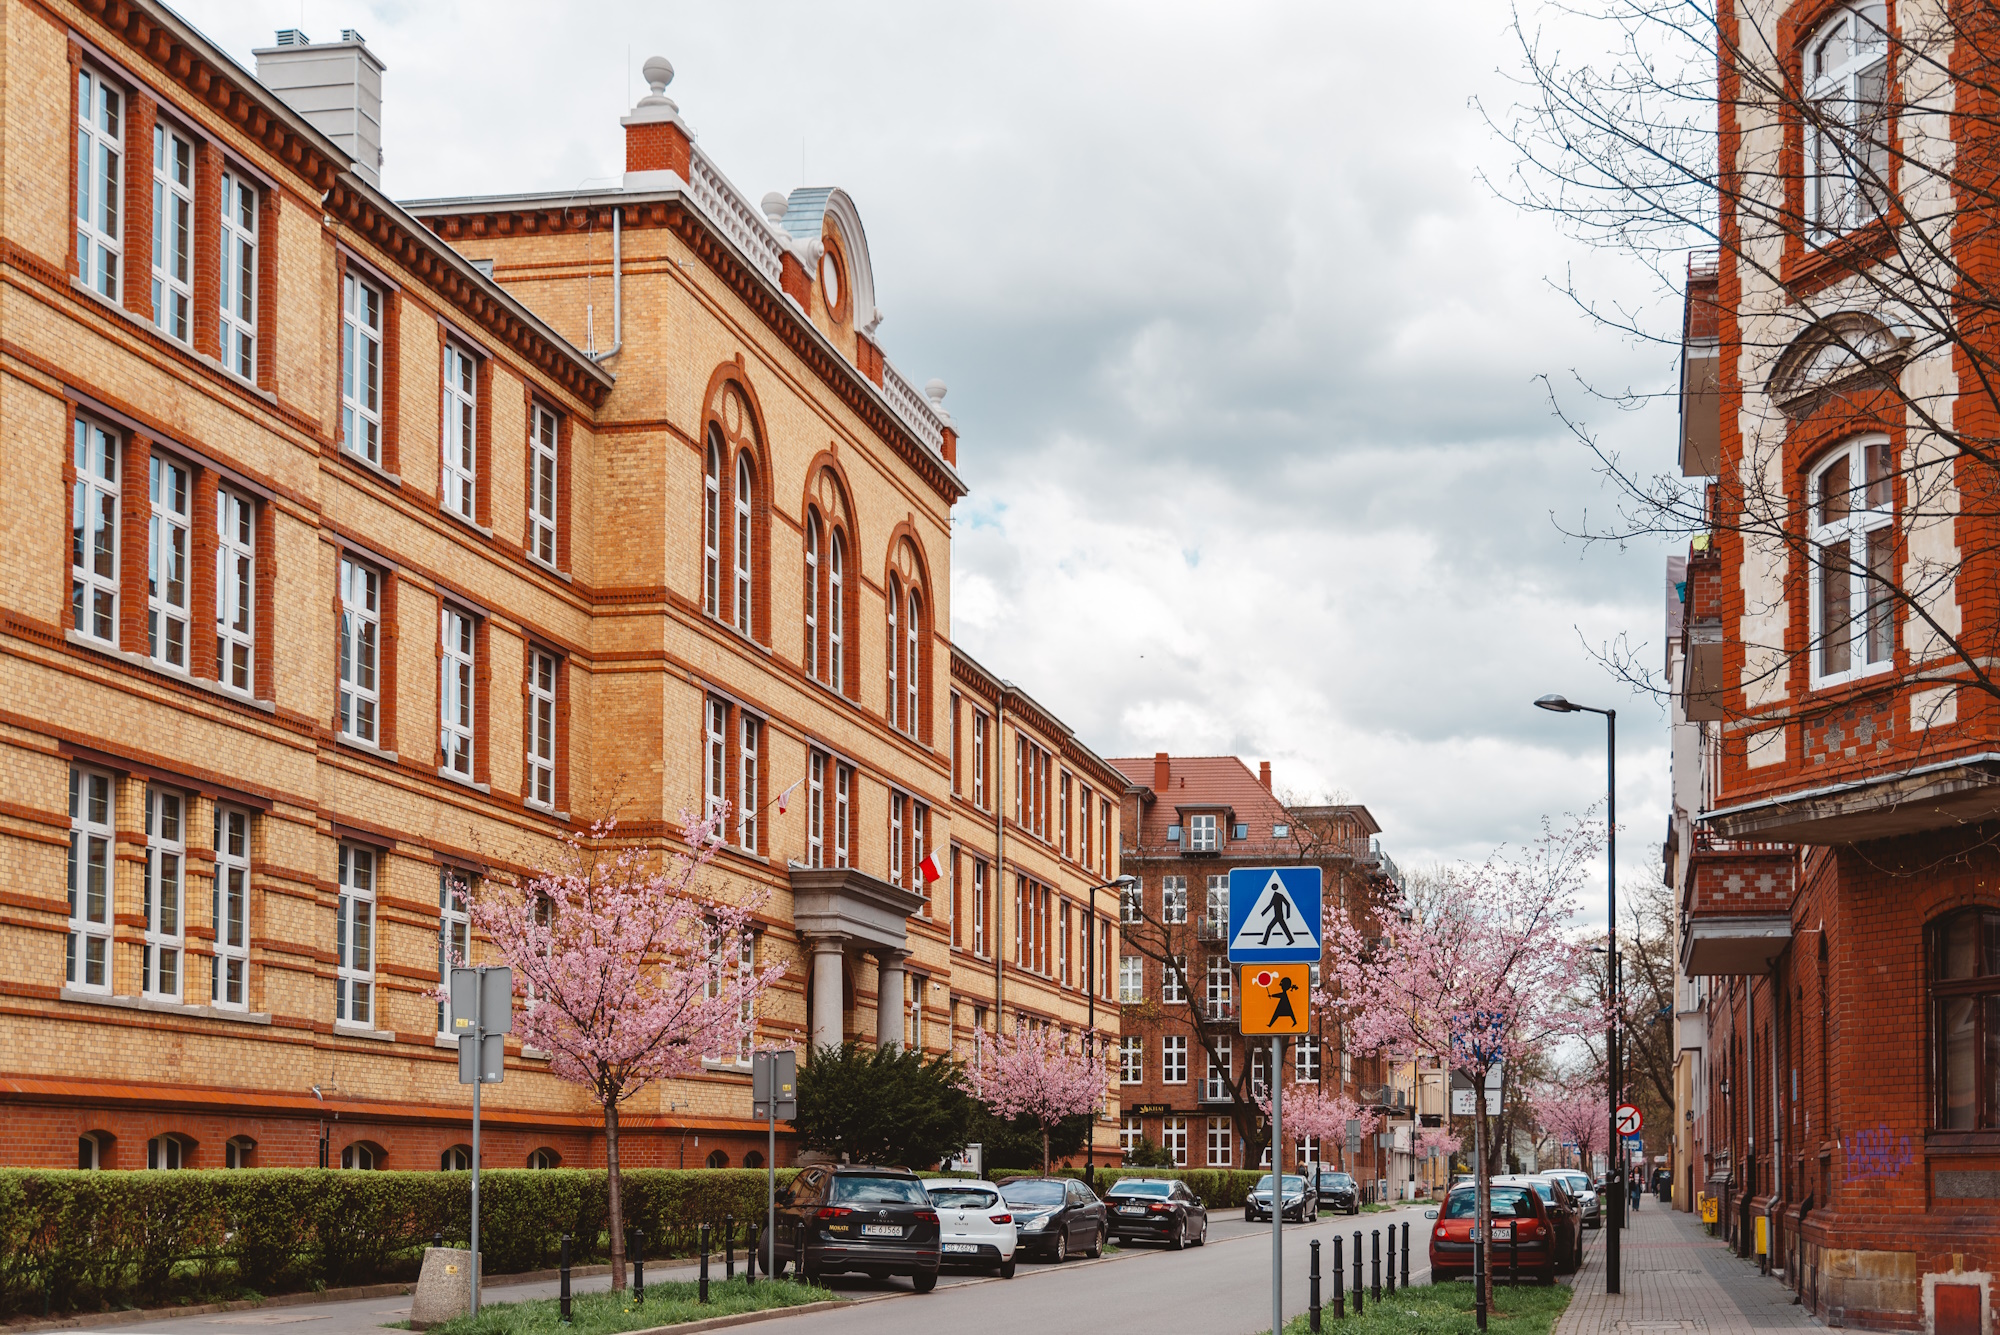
[(1514, 1254), (1390, 1285), (1312, 1292), (565, 1279), (1375, 1265), (703, 1297), (1406, 1253), (729, 1246), (1357, 1272), (638, 1265), (1339, 1278), (750, 1253)]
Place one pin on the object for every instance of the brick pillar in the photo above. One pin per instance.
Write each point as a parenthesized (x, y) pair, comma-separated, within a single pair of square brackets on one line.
[(140, 113), (207, 249), (135, 516), (201, 582)]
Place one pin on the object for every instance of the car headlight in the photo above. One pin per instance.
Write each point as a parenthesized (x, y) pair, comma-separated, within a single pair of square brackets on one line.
[(1035, 1221)]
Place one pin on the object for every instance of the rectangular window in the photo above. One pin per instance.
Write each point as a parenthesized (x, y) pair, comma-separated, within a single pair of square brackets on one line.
[(1173, 980), (229, 967), (89, 953), (93, 533), (1174, 1139), (748, 780), (1215, 1084), (167, 547), (843, 811), (1023, 807), (1201, 834), (456, 634), (1173, 1059), (239, 275), (454, 933), (173, 232), (541, 728), (715, 750), (1215, 917), (1062, 814), (816, 809), (1132, 904), (957, 759), (354, 938), (1131, 980), (100, 182), (1221, 988), (235, 590), (920, 820), (1173, 899), (542, 481), (1083, 826), (1062, 946), (360, 651), (1104, 959), (1306, 1059), (896, 804), (1260, 1070), (979, 760), (457, 481), (1131, 1060), (743, 958), (1104, 837), (1221, 1141), (1130, 1133), (979, 908), (361, 368), (166, 860)]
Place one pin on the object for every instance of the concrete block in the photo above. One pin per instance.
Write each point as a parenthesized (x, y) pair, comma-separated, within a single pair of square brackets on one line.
[(444, 1288)]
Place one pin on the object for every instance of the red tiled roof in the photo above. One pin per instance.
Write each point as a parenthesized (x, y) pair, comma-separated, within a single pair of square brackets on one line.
[(1203, 781)]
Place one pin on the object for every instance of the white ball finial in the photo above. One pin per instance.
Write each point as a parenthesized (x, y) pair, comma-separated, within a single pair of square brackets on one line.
[(659, 72), (935, 391), (776, 206)]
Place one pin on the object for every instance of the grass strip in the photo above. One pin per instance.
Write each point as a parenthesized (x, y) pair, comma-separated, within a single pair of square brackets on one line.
[(667, 1304), (1446, 1309)]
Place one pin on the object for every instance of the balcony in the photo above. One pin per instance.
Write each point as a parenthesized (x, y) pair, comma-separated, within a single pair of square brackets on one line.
[(1214, 1091), (1737, 908), (1218, 1010), (1211, 929)]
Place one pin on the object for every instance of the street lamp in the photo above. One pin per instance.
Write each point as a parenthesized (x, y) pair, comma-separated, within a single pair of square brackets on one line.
[(1123, 882), (1556, 704)]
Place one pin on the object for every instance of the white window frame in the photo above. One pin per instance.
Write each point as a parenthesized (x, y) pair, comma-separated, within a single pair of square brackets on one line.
[(893, 605), (1174, 1139), (1864, 540), (354, 936), (711, 526), (94, 530), (360, 651), (458, 443), (162, 974), (979, 719), (1173, 899), (1215, 907), (1131, 979), (100, 182), (715, 755), (741, 501), (1220, 987), (816, 809), (165, 1153), (1104, 836), (169, 554), (173, 232), (897, 805), (1061, 971), (541, 750), (750, 736), (458, 641), (93, 804), (1201, 833), (235, 591), (1132, 1059), (979, 908), (912, 661), (454, 935), (920, 819), (544, 485), (240, 205), (1847, 151), (1131, 1130), (1221, 1142), (1218, 1067), (361, 316), (836, 603), (1308, 1059), (813, 541), (229, 911), (746, 1017), (843, 813), (1132, 904), (1173, 1059)]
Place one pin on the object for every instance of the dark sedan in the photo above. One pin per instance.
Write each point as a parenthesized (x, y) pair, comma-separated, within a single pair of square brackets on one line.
[(1339, 1191), (1056, 1217), (1156, 1209), (1301, 1199), (878, 1221)]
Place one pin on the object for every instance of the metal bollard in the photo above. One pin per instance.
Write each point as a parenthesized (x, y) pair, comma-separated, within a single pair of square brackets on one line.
[(1312, 1292), (1339, 1274), (729, 1246), (1514, 1254), (437, 1239), (750, 1253), (703, 1296), (639, 1265), (1357, 1272), (1480, 1257), (1375, 1265), (1390, 1285), (565, 1279), (1406, 1253)]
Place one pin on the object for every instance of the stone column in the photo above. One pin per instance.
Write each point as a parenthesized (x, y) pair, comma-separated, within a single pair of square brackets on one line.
[(828, 1011), (889, 998)]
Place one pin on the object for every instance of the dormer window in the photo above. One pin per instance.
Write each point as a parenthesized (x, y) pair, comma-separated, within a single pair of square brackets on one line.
[(1201, 834), (1239, 832), (1173, 834)]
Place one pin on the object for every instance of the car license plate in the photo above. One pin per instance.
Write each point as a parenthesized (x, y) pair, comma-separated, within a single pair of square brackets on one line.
[(961, 1247), (1131, 1209), (881, 1230), (1502, 1231)]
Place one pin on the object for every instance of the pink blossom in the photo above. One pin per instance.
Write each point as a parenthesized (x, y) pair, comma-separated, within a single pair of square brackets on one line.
[(1437, 1143), (1038, 1075), (1313, 1112), (1579, 1117)]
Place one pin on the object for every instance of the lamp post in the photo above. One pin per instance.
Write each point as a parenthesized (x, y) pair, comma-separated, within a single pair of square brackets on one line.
[(1613, 1157), (1124, 883)]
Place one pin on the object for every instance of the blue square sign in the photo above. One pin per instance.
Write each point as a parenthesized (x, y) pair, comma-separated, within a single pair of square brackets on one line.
[(1274, 915)]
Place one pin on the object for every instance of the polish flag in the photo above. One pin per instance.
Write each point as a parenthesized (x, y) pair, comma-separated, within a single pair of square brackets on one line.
[(785, 797), (929, 867)]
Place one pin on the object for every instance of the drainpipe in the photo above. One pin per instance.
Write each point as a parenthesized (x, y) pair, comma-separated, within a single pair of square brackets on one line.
[(1778, 1088), (617, 289), (999, 855), (1749, 1245)]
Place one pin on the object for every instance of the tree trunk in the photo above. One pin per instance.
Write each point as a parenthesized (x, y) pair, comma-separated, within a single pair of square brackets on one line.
[(617, 1205), (1482, 1204), (1045, 1149)]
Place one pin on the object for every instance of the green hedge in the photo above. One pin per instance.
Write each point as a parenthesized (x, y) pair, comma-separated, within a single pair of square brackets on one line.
[(88, 1240), (1219, 1188)]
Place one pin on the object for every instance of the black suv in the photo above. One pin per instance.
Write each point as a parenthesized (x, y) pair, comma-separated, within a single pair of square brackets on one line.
[(1339, 1191), (878, 1221)]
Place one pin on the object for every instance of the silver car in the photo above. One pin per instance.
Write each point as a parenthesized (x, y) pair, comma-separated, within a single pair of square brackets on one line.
[(1586, 1195)]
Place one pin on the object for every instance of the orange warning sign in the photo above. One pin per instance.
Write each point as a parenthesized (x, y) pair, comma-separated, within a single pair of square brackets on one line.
[(1275, 998)]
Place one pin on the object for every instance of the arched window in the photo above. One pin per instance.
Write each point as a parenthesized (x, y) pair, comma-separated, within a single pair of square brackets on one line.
[(1847, 134), (1853, 513), (457, 1159), (93, 1149), (238, 1152), (895, 653), (740, 547), (912, 661), (711, 526), (169, 1151), (718, 1159), (836, 612), (362, 1154), (812, 593), (544, 1158), (754, 1159), (1965, 1005)]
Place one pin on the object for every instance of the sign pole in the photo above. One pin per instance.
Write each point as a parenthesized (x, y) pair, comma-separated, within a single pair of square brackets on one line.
[(771, 1180), (1277, 1183), (479, 1047)]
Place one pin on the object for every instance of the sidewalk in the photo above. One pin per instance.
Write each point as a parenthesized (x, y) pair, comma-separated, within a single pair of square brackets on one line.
[(1676, 1278)]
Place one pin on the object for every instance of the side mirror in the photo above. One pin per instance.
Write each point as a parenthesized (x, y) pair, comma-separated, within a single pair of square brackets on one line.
[(1430, 1214)]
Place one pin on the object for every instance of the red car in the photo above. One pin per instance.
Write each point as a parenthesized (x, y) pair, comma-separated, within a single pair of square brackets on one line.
[(1521, 1227)]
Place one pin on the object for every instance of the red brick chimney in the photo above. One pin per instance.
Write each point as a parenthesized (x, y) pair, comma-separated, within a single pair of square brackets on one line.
[(656, 138), (1264, 774), (1163, 773)]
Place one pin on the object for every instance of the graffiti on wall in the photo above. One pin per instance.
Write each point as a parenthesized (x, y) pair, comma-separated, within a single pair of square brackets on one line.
[(1875, 1154)]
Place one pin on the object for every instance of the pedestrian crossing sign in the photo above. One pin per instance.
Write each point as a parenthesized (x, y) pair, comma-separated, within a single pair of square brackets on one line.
[(1274, 915), (1276, 998)]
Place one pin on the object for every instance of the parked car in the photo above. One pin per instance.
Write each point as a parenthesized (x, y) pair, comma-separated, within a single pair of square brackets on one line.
[(878, 1221), (1056, 1216), (1156, 1209), (1586, 1195), (1565, 1217), (1339, 1191), (1301, 1199), (975, 1227), (1519, 1219)]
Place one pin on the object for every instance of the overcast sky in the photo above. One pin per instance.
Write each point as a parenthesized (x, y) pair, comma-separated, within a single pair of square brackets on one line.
[(1244, 357)]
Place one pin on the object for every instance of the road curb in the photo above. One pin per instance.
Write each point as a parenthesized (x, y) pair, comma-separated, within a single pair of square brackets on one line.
[(744, 1318)]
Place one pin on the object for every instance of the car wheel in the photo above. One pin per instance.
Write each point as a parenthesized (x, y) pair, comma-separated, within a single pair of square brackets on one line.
[(1354, 1208), (807, 1272), (1248, 1218), (1315, 1214), (1060, 1252), (1007, 1268), (1097, 1241), (1179, 1238), (924, 1281)]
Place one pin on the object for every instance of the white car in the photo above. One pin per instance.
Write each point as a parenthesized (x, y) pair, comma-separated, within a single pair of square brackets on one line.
[(1579, 1187), (975, 1227)]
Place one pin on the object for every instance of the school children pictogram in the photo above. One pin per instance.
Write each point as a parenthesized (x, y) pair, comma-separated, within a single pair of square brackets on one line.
[(1276, 998)]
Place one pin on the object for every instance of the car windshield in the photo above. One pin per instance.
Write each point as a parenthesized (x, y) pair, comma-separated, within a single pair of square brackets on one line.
[(1506, 1201), (1291, 1183), (1341, 1180), (964, 1198), (1544, 1190), (1158, 1189), (1033, 1193), (879, 1190)]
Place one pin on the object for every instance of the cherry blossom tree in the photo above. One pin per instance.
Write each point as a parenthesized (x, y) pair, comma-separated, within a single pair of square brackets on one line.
[(631, 974), (1313, 1112), (1438, 1143), (1469, 975), (1038, 1075), (1579, 1117)]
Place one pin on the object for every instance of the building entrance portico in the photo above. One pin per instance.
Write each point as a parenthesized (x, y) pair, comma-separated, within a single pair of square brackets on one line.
[(846, 914)]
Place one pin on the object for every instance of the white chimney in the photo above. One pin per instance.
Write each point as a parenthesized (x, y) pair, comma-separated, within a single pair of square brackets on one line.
[(336, 86)]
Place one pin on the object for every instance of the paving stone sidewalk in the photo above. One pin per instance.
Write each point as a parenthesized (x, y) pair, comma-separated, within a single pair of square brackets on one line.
[(1676, 1278)]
